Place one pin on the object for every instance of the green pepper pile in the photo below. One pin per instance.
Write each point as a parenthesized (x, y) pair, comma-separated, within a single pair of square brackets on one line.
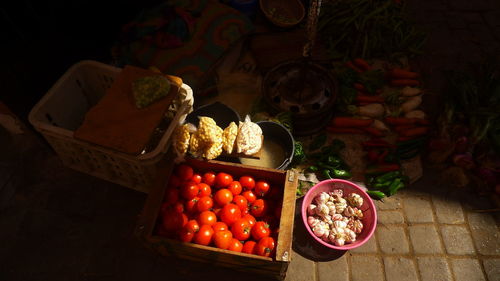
[(327, 162), (385, 184)]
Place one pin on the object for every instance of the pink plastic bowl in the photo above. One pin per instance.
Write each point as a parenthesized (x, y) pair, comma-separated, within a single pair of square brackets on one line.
[(370, 213)]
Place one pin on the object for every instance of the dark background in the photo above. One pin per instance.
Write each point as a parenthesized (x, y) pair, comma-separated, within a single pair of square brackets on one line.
[(40, 40)]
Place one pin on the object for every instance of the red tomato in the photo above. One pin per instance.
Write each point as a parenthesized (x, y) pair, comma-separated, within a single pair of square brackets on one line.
[(235, 187), (235, 245), (241, 202), (260, 230), (196, 178), (184, 172), (204, 236), (179, 207), (174, 181), (171, 195), (186, 235), (190, 205), (189, 190), (223, 180), (205, 189), (192, 226), (230, 213), (164, 208), (265, 247), (208, 178), (218, 226), (247, 182), (207, 217), (223, 197), (258, 208), (249, 247), (245, 211), (261, 188), (173, 221), (241, 229), (204, 204), (250, 196), (222, 239), (251, 219)]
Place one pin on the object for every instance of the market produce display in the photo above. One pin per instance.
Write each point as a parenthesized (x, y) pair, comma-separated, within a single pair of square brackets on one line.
[(216, 209), (209, 141), (334, 218)]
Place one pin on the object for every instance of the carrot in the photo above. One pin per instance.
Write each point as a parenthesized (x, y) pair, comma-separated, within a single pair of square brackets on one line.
[(404, 82), (362, 64), (399, 73), (400, 128), (337, 130), (353, 67), (350, 122), (369, 99), (397, 121), (413, 132), (372, 131), (359, 87)]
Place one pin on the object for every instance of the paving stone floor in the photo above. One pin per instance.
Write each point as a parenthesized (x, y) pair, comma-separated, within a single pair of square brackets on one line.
[(58, 224)]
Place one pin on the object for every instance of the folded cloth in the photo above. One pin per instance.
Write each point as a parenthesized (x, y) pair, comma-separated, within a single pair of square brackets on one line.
[(116, 122)]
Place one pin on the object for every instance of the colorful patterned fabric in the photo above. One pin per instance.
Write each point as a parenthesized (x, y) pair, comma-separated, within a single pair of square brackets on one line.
[(195, 34)]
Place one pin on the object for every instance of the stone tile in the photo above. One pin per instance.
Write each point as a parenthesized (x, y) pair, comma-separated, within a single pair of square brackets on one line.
[(492, 269), (389, 203), (466, 5), (387, 217), (485, 233), (392, 240), (300, 268), (457, 240), (425, 239), (467, 270), (492, 18), (448, 210), (434, 268), (418, 209), (371, 265), (482, 33), (455, 20), (369, 247), (399, 269), (472, 18), (336, 270)]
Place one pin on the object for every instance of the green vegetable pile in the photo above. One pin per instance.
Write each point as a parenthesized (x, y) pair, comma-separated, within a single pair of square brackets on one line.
[(327, 161), (385, 184), (368, 28)]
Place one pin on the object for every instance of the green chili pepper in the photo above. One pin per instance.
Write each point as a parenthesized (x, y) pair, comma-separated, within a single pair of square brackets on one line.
[(343, 174), (375, 194), (334, 161), (382, 185), (395, 186), (326, 173), (312, 168), (387, 176)]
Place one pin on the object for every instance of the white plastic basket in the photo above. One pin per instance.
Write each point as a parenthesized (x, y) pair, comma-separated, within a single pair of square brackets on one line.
[(62, 110)]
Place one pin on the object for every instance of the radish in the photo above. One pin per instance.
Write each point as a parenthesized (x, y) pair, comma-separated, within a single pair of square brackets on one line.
[(410, 91), (411, 104), (374, 110)]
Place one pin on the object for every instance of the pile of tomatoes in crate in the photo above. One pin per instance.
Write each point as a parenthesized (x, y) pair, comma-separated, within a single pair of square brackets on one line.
[(214, 208)]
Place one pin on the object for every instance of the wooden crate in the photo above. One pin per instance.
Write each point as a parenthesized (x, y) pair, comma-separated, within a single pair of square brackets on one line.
[(276, 267)]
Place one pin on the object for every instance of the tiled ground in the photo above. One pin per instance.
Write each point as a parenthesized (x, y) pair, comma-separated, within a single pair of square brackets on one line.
[(57, 224)]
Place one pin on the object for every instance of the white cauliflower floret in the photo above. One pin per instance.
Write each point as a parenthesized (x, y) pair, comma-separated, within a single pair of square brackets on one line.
[(249, 138)]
